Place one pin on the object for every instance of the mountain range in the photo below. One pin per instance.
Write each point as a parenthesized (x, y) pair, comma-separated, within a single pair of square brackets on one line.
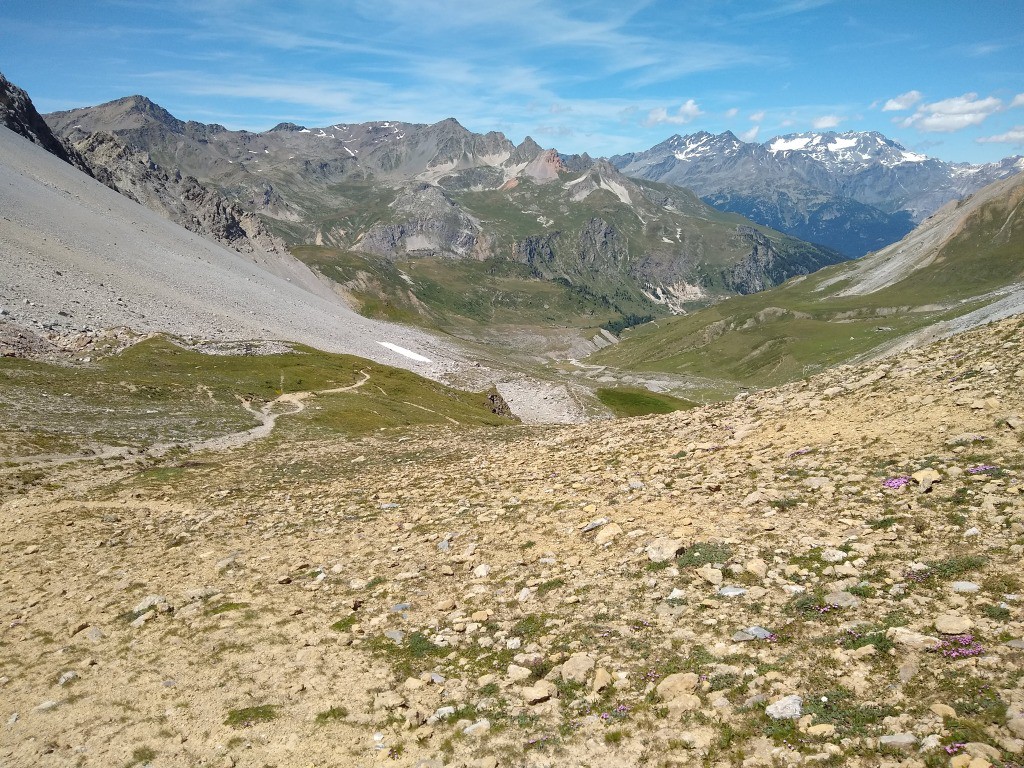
[(439, 225), (854, 192)]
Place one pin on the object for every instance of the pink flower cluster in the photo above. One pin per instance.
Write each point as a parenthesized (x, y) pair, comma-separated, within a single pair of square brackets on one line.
[(960, 647)]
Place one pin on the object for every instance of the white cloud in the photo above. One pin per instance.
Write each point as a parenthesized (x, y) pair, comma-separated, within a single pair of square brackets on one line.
[(1018, 101), (952, 114), (1013, 136), (750, 135), (757, 117), (684, 114), (826, 121), (903, 101), (732, 112)]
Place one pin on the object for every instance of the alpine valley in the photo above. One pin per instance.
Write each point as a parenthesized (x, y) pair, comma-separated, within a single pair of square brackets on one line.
[(250, 520)]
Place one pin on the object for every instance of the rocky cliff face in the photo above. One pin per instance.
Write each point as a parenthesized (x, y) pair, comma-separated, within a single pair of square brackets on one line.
[(19, 115), (182, 199)]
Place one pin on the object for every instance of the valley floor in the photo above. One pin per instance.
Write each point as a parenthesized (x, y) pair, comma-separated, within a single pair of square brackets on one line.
[(653, 591)]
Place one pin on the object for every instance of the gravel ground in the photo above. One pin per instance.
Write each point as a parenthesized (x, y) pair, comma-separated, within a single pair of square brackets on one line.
[(75, 255)]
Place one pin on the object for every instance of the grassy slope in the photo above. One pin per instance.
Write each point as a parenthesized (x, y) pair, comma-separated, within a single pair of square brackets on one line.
[(156, 391), (458, 294), (795, 329)]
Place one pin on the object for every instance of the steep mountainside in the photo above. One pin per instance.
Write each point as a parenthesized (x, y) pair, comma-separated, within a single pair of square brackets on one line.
[(18, 114), (133, 173), (961, 267), (436, 224), (855, 192)]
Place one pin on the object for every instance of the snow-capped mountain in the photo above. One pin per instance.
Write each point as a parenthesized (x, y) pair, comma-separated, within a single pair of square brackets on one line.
[(853, 191)]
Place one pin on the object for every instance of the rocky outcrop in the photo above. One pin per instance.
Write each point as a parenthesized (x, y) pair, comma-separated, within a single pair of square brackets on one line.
[(19, 115), (182, 199), (426, 222)]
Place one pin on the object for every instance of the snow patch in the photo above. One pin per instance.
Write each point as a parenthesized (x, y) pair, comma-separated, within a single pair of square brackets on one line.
[(405, 352), (617, 189), (839, 144), (783, 145)]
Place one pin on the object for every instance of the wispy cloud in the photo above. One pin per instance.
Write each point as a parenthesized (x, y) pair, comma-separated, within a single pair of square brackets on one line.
[(1018, 101), (1013, 136), (903, 101), (952, 114), (750, 135), (685, 114), (824, 122)]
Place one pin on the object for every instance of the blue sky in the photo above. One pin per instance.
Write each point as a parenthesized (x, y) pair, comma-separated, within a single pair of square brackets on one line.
[(943, 78)]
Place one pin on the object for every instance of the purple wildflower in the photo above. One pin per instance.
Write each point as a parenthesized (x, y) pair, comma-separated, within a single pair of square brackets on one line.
[(960, 647), (981, 468), (896, 482)]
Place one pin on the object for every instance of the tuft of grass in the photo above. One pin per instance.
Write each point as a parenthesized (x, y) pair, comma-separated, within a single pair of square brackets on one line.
[(615, 736), (704, 553), (249, 716), (345, 624), (334, 713), (627, 401), (214, 610), (141, 756)]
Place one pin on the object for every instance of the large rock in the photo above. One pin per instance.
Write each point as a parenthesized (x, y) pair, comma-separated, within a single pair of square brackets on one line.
[(663, 549), (949, 624), (710, 575), (904, 742), (786, 708), (539, 693), (576, 668), (607, 533), (677, 685), (910, 639)]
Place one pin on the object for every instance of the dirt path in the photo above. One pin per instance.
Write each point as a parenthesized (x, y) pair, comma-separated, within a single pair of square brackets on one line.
[(268, 415)]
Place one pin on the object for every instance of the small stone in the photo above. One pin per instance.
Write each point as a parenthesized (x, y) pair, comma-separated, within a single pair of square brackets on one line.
[(942, 710), (517, 674), (607, 533), (965, 587), (481, 571), (479, 728), (904, 742), (910, 639), (593, 525), (756, 566), (539, 693), (751, 633), (663, 549), (1016, 727), (949, 624), (710, 575), (822, 730), (732, 591), (31, 549), (676, 685), (833, 555), (842, 600), (577, 668), (602, 679), (925, 478), (786, 708)]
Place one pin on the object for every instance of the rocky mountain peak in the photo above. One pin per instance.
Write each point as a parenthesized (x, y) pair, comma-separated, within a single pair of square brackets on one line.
[(18, 113), (287, 127)]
